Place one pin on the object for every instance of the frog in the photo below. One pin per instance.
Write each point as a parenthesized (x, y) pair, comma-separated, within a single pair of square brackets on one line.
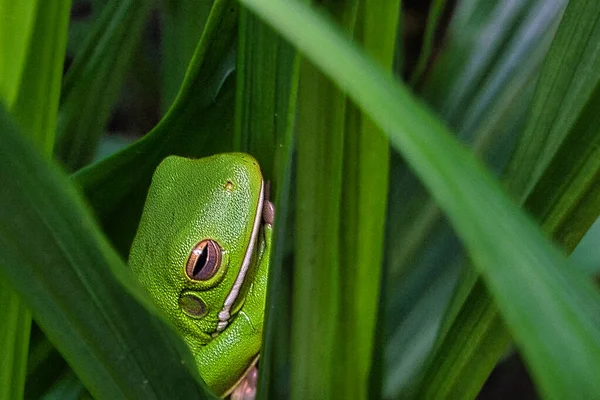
[(202, 253)]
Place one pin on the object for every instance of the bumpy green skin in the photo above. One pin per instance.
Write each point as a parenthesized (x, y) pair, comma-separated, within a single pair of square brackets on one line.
[(191, 200)]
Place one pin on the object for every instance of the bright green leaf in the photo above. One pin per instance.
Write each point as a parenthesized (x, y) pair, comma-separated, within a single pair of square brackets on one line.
[(267, 81)]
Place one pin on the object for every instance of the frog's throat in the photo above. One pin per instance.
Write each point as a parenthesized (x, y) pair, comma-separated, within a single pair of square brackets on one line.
[(225, 313)]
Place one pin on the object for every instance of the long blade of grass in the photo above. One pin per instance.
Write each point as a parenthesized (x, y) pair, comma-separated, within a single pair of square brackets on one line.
[(78, 289), (556, 324), (363, 211), (36, 101), (267, 82), (94, 80), (317, 297), (199, 123)]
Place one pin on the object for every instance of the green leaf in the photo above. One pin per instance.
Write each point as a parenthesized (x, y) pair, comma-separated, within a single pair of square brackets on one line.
[(36, 100), (199, 123), (44, 365), (95, 78), (267, 81), (363, 211), (587, 253), (567, 83), (182, 26), (562, 137), (433, 23), (424, 257), (14, 342), (317, 277), (32, 47), (556, 325), (78, 289)]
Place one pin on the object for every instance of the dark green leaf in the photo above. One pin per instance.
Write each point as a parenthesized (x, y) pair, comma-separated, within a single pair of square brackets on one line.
[(562, 141), (33, 37), (182, 26), (78, 289), (424, 257), (94, 80)]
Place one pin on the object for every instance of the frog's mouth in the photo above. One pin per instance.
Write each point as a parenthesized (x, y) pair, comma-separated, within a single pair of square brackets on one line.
[(225, 313)]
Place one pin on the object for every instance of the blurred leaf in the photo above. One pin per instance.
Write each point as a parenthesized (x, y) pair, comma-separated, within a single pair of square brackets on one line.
[(567, 83), (198, 124), (33, 38), (433, 24), (111, 144), (491, 54), (497, 48), (267, 81), (564, 197), (95, 78), (44, 365), (87, 303), (14, 342), (556, 325), (16, 30), (183, 22), (587, 252), (67, 388), (36, 100)]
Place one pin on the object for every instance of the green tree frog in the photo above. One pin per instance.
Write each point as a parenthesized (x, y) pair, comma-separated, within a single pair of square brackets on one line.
[(202, 252)]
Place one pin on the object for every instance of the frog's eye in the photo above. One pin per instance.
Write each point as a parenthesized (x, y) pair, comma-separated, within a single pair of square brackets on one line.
[(204, 260)]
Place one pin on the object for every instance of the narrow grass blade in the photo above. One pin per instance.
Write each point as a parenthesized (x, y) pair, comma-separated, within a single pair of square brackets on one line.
[(555, 325), (436, 10), (363, 211), (36, 101), (14, 342), (267, 82), (318, 277)]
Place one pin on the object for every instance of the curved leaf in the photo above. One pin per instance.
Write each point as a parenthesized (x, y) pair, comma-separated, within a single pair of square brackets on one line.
[(78, 289), (199, 123)]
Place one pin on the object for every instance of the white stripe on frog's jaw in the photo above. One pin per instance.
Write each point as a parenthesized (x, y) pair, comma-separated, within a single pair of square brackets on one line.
[(225, 313)]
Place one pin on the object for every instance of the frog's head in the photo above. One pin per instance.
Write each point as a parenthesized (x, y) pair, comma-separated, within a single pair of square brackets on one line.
[(195, 247)]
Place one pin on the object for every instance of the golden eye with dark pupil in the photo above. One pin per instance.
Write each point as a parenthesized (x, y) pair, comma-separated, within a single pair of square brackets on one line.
[(204, 260)]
